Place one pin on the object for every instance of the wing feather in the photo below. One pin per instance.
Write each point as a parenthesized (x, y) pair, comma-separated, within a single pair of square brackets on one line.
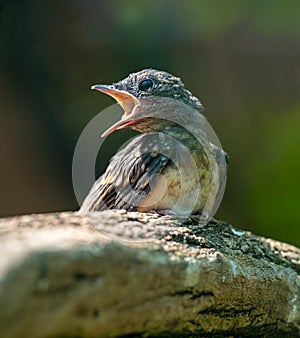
[(128, 178)]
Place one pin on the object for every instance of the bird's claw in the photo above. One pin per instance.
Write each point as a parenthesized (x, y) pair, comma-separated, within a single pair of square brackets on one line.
[(163, 212)]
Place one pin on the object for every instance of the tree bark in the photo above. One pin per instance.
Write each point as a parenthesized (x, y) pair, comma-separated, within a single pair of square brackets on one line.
[(117, 274)]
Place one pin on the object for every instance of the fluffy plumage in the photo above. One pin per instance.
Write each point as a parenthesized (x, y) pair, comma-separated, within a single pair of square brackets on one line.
[(171, 161)]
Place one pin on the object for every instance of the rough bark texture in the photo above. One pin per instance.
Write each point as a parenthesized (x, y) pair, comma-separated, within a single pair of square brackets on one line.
[(117, 274)]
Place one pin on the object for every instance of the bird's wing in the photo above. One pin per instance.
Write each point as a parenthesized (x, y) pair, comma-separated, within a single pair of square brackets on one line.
[(130, 175)]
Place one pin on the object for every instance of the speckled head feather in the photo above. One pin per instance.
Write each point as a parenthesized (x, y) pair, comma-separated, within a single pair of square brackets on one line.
[(151, 82)]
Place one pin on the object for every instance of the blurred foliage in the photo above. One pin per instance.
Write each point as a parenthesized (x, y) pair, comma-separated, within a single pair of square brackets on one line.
[(273, 176), (241, 58)]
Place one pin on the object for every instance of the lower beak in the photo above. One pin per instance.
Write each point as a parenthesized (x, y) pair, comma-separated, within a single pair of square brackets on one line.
[(126, 100), (123, 123)]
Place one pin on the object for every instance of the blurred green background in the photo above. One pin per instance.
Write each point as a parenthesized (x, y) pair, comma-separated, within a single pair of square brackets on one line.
[(241, 58)]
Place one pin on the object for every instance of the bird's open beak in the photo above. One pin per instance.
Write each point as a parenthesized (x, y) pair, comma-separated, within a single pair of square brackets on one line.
[(126, 100)]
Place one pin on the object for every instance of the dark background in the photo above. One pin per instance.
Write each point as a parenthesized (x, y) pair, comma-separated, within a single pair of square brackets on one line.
[(241, 58)]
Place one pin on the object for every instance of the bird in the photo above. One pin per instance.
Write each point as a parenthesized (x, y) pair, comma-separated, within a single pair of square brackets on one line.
[(171, 167)]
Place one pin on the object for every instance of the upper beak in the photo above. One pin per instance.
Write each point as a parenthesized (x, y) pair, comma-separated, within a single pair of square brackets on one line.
[(126, 100)]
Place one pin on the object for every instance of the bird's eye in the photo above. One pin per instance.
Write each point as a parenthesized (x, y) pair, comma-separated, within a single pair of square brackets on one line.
[(146, 85)]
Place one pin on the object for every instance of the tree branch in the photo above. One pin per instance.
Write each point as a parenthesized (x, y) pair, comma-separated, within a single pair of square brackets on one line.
[(111, 274)]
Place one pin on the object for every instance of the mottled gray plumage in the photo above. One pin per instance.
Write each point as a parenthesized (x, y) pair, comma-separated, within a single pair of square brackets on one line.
[(164, 85)]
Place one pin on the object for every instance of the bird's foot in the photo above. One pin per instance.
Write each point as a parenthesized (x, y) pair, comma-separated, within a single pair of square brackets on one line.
[(201, 217), (163, 212), (205, 215)]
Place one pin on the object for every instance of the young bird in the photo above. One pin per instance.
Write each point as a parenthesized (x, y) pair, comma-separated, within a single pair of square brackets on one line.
[(171, 167)]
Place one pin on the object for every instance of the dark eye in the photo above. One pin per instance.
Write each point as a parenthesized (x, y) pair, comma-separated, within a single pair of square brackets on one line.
[(146, 85)]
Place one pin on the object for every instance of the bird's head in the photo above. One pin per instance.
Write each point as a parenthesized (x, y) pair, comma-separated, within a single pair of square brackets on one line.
[(140, 89)]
